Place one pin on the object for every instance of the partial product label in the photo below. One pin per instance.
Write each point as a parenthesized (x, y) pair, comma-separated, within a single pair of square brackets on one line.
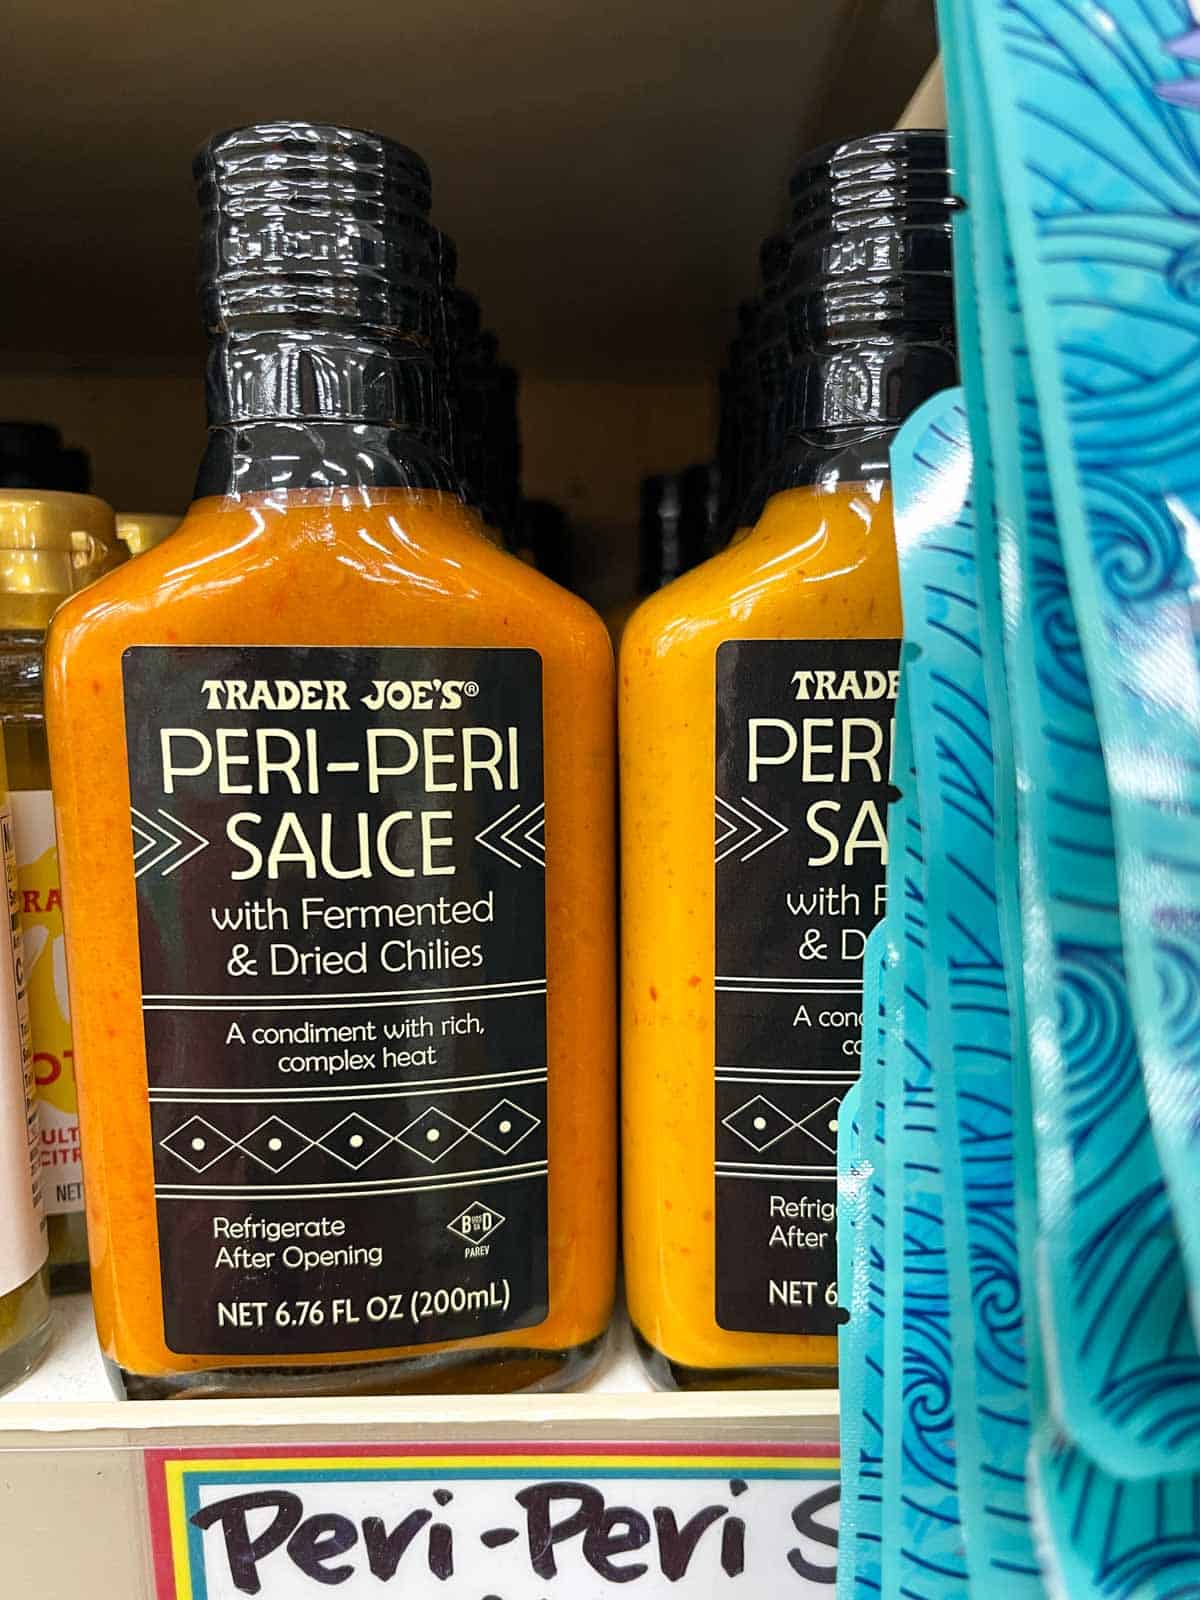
[(341, 904), (49, 1006), (689, 1521), (803, 768), (23, 1238)]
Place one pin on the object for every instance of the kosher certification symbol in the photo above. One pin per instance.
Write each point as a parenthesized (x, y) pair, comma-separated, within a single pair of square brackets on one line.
[(476, 1223)]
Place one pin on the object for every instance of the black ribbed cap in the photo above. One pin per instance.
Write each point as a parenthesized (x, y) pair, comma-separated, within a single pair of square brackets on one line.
[(447, 254), (74, 471), (699, 507), (877, 174), (774, 257), (546, 530), (748, 314), (309, 219), (870, 295), (29, 453), (502, 448), (320, 233), (670, 541), (468, 318), (729, 425), (32, 456), (658, 531), (773, 347), (739, 448), (476, 352)]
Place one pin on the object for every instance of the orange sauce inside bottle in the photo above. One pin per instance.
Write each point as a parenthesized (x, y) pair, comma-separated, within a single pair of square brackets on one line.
[(350, 568), (819, 564)]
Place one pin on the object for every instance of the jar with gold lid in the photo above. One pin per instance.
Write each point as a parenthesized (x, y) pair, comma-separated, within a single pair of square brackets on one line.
[(25, 1320), (51, 546)]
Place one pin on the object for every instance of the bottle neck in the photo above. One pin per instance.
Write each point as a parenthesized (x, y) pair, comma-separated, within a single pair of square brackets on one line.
[(299, 408), (840, 408), (661, 560), (864, 385)]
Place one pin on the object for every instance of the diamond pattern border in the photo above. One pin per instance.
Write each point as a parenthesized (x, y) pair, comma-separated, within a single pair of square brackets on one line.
[(432, 1134), (763, 1131)]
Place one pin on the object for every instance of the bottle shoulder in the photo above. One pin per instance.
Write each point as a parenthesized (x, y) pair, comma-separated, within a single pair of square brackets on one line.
[(815, 564), (384, 569)]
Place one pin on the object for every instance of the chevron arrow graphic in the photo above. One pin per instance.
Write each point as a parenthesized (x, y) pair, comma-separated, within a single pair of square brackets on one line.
[(735, 827), (162, 841), (739, 829), (143, 840), (725, 828), (517, 834)]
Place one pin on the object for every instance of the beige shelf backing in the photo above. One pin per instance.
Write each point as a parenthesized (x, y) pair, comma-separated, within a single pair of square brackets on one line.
[(927, 108)]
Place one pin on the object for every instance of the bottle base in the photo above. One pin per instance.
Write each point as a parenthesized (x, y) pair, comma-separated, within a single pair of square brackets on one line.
[(19, 1360), (674, 1375), (501, 1371)]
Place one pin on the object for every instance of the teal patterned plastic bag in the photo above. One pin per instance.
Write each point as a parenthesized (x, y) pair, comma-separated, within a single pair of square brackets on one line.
[(1099, 1534), (922, 1537), (861, 1293), (854, 1190), (1122, 1357), (986, 328), (969, 1023), (1119, 1344), (860, 1263), (1097, 138), (1103, 1538)]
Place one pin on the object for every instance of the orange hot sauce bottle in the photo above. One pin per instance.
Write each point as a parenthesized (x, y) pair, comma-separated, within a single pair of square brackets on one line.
[(756, 698), (334, 779)]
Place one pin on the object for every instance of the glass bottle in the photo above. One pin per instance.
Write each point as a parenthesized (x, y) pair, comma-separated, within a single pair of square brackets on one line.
[(767, 676), (25, 1321), (51, 545), (343, 998)]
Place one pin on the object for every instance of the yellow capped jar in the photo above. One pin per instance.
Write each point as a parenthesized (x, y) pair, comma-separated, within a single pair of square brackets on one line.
[(51, 546), (25, 1316)]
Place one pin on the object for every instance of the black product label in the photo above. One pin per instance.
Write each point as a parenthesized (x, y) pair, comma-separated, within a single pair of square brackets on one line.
[(803, 767), (341, 910)]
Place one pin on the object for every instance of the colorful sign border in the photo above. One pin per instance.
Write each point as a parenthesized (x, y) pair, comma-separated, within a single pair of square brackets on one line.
[(174, 1477)]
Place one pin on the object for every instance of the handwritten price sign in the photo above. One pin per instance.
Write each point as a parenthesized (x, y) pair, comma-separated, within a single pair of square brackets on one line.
[(487, 1522)]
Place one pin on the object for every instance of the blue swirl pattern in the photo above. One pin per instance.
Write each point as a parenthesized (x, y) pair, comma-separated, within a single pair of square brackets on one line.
[(854, 1196), (970, 1025), (1119, 1344), (923, 1552), (1111, 1538), (1120, 1350), (861, 1339), (1091, 336), (1096, 132)]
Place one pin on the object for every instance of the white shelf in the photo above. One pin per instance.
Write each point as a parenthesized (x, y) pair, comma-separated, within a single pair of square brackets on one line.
[(71, 1372), (69, 1392), (74, 1512)]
